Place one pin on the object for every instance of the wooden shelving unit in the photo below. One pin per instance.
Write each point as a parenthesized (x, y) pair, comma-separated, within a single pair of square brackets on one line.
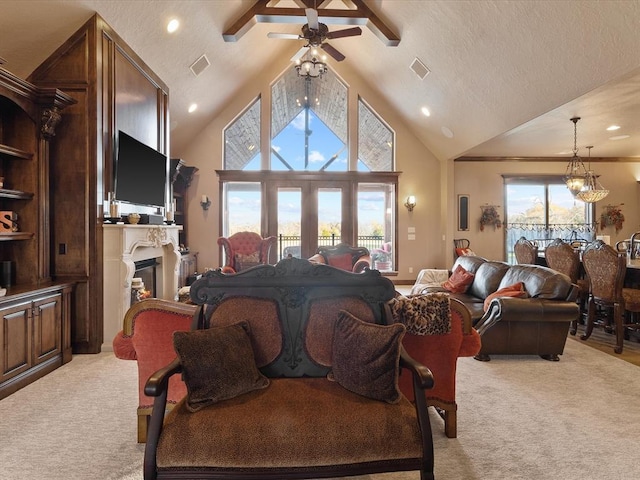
[(35, 311)]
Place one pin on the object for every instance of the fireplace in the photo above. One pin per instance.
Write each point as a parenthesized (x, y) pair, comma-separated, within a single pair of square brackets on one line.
[(143, 284), (126, 247)]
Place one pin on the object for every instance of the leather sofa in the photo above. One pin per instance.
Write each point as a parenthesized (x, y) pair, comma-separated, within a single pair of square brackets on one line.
[(537, 325)]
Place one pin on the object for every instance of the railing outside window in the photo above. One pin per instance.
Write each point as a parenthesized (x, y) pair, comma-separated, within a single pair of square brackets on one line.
[(290, 244)]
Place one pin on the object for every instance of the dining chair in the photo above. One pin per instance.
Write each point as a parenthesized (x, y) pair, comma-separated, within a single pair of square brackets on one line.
[(525, 252), (564, 258), (461, 246), (606, 268)]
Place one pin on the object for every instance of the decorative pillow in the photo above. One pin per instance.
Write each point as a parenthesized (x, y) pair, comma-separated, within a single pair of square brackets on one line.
[(459, 280), (218, 364), (366, 357), (516, 290), (428, 314), (461, 252), (342, 262), (247, 261)]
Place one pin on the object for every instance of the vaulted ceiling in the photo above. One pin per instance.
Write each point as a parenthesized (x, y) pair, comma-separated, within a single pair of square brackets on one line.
[(505, 76)]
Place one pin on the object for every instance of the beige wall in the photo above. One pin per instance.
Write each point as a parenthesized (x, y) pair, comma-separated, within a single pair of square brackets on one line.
[(484, 183), (421, 176)]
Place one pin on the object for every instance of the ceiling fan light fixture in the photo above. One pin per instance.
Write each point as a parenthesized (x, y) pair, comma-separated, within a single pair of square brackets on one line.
[(310, 66)]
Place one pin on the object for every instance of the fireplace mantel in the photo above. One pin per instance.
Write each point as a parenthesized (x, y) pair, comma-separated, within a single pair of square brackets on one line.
[(124, 245)]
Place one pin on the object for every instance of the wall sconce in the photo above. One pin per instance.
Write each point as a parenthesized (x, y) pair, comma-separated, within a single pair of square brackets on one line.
[(205, 203), (410, 203)]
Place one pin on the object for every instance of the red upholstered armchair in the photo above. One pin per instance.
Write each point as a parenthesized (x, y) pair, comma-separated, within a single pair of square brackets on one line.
[(440, 353), (243, 250), (147, 336)]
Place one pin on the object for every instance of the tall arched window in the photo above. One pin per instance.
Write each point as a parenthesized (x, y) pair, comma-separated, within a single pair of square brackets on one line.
[(309, 196)]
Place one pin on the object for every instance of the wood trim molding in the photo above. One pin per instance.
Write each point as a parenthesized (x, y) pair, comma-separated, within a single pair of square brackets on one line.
[(564, 160)]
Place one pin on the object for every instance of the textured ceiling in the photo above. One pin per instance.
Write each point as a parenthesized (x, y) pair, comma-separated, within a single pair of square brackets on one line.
[(505, 78)]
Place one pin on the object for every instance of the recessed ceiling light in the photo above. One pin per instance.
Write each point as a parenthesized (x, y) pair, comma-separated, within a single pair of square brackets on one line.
[(613, 127), (173, 25), (425, 111), (619, 137), (447, 132), (193, 107)]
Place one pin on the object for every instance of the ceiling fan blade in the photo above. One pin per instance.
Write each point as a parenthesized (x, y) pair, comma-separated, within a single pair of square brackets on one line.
[(286, 36), (299, 54), (333, 52), (347, 32), (312, 18)]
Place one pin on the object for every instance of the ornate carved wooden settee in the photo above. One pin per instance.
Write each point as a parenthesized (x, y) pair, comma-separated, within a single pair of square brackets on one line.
[(320, 396)]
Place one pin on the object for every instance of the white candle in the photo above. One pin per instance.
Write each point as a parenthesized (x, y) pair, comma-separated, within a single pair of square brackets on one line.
[(205, 199), (169, 216)]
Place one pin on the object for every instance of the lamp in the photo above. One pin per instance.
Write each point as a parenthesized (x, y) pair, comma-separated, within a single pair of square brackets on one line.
[(410, 203), (575, 175), (205, 203), (592, 191), (309, 66)]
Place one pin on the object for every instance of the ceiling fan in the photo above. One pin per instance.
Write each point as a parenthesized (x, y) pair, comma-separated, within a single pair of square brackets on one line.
[(315, 33)]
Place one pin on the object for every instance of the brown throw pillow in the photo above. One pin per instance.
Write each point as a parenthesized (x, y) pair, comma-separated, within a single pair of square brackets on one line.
[(459, 280), (366, 357), (218, 364)]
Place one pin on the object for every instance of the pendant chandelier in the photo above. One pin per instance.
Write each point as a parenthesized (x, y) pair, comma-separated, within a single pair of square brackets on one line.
[(592, 191), (576, 174)]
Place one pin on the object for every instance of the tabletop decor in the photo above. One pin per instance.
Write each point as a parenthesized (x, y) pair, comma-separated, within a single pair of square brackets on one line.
[(490, 216), (612, 216)]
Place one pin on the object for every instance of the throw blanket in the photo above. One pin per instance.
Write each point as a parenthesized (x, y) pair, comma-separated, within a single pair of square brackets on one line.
[(429, 277), (428, 314)]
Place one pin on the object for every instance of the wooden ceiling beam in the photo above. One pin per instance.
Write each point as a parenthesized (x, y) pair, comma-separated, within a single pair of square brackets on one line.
[(260, 13)]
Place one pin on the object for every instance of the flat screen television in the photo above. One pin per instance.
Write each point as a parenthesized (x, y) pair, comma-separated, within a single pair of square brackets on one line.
[(140, 173)]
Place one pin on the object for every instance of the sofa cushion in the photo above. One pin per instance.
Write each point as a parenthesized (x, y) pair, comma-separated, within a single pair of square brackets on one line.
[(540, 282), (469, 262), (343, 261), (347, 428), (488, 278), (218, 364), (459, 280), (247, 261), (516, 290), (366, 357), (428, 314)]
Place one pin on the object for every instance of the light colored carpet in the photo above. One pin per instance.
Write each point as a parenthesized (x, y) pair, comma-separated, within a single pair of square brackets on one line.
[(520, 417)]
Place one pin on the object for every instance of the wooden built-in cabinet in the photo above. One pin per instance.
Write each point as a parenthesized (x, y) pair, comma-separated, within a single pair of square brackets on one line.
[(35, 333), (115, 91)]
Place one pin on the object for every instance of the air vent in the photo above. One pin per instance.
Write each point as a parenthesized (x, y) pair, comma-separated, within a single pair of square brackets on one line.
[(420, 69), (200, 65)]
